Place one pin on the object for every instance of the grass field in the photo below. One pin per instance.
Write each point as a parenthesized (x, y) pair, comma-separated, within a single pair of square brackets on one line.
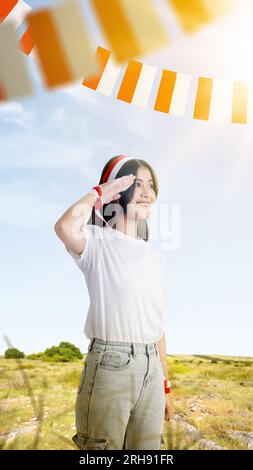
[(212, 396)]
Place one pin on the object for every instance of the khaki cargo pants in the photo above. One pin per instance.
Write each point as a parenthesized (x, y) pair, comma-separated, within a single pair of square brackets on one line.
[(120, 401)]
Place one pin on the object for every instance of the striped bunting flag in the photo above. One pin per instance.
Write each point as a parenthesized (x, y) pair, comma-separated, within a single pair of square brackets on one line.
[(6, 7), (15, 12), (14, 77), (131, 27), (203, 98), (173, 93), (221, 101), (27, 42), (144, 86), (216, 100), (62, 43), (137, 83), (105, 81), (194, 14), (240, 100)]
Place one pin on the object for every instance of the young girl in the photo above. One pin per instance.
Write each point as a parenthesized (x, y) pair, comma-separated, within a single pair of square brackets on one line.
[(123, 391)]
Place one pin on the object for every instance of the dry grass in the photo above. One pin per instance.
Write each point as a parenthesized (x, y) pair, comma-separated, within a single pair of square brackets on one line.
[(212, 393)]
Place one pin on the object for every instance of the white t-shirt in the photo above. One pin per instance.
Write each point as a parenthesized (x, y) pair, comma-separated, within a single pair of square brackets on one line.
[(125, 278)]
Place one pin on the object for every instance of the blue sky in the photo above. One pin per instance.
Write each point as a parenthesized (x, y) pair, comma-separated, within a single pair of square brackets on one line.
[(53, 147)]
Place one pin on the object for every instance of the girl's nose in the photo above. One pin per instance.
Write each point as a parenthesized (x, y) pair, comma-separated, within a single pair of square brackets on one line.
[(144, 193)]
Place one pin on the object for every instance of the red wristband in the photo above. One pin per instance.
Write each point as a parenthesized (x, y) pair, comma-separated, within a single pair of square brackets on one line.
[(99, 202), (166, 387)]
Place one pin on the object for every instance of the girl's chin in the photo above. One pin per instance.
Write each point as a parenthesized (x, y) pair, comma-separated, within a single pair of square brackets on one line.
[(143, 208), (143, 213)]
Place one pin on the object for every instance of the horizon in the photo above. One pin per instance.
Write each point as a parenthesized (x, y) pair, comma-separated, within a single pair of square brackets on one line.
[(53, 148)]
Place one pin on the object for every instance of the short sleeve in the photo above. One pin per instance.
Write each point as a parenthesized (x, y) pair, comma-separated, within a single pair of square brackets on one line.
[(88, 258)]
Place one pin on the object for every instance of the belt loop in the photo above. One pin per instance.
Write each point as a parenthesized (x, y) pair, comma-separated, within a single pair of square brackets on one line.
[(133, 350), (149, 348), (91, 343)]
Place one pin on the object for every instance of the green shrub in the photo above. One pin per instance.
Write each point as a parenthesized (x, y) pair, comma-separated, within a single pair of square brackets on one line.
[(65, 352), (35, 356), (13, 353)]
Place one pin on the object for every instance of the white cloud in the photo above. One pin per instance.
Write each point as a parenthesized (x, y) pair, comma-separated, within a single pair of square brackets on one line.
[(58, 115), (24, 206), (36, 151), (15, 113)]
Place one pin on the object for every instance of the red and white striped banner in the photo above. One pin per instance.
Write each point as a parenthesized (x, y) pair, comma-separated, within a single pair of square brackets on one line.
[(61, 59), (168, 91)]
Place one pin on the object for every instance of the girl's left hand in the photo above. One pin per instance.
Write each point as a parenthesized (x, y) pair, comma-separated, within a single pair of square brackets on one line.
[(169, 410)]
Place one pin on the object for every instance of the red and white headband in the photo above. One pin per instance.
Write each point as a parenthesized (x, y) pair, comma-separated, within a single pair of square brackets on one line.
[(114, 167)]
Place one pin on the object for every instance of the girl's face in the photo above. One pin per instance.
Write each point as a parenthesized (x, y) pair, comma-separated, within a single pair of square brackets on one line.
[(144, 195)]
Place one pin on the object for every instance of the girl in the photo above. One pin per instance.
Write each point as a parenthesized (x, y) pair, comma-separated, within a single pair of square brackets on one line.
[(123, 390)]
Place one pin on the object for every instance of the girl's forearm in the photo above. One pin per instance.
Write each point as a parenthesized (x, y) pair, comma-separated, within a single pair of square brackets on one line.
[(76, 214), (161, 345)]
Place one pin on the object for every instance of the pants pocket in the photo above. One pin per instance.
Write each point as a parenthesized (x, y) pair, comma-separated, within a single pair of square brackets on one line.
[(115, 360), (82, 378), (84, 442)]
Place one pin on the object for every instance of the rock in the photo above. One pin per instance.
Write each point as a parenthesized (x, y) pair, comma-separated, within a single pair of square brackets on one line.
[(189, 428), (193, 408), (210, 445), (195, 434), (245, 437), (15, 432)]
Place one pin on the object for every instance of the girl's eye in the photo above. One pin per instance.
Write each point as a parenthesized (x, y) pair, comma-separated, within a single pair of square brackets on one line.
[(138, 183)]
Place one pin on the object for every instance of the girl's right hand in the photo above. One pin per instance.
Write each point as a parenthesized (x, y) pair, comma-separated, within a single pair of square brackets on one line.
[(111, 189)]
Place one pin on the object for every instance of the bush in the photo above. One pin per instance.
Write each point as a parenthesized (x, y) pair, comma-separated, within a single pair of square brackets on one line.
[(65, 352), (76, 351), (13, 353), (35, 356)]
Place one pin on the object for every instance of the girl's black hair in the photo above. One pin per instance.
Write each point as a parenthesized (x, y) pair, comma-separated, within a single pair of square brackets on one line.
[(131, 166)]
